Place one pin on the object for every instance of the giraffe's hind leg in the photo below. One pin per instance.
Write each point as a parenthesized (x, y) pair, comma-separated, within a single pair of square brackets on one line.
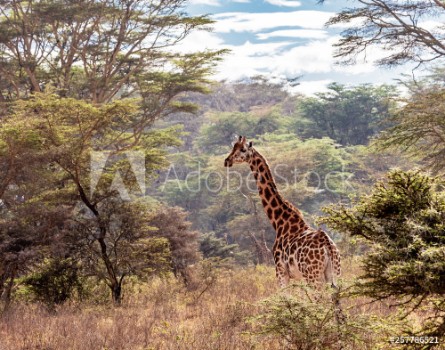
[(329, 274), (282, 274)]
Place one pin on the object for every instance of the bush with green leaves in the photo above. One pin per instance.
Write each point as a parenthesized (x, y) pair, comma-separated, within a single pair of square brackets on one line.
[(183, 241), (55, 281), (304, 318), (403, 221), (213, 247)]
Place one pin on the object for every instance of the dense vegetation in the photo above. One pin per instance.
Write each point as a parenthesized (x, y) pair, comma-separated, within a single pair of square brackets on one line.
[(113, 191), (311, 168), (82, 84)]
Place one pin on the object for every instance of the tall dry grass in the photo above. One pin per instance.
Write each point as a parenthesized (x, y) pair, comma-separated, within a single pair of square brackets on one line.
[(162, 314)]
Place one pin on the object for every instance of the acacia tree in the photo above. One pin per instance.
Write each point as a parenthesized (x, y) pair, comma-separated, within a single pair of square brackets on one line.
[(409, 32), (118, 242), (29, 232), (63, 134), (94, 49), (28, 229), (402, 220), (253, 225), (351, 116), (419, 128), (401, 27)]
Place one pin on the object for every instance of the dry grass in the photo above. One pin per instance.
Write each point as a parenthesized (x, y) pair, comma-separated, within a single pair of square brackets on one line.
[(158, 315)]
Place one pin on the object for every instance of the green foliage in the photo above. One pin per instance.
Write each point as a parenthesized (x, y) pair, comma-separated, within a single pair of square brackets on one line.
[(310, 172), (223, 127), (69, 128), (183, 242), (126, 42), (135, 248), (402, 219), (211, 246), (70, 70), (349, 116), (65, 139), (307, 319), (55, 281), (418, 127), (214, 247)]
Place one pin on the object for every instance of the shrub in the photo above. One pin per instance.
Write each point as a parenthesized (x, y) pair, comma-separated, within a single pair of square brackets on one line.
[(55, 282), (304, 318), (403, 221)]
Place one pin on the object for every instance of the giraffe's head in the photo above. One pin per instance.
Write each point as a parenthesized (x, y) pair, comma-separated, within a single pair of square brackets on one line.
[(241, 152)]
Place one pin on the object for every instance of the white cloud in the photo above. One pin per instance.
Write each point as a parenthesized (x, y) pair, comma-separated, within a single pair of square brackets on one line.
[(248, 60), (431, 25), (273, 51), (294, 33), (275, 59), (283, 59), (310, 88), (256, 50), (199, 41), (285, 3), (256, 22), (313, 57)]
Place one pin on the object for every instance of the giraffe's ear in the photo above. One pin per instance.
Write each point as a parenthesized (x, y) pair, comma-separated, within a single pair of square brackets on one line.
[(240, 138), (250, 144), (243, 139)]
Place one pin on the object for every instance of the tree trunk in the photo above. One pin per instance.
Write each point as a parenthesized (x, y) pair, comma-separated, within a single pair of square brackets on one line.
[(265, 251), (115, 283), (7, 290), (264, 255), (116, 292)]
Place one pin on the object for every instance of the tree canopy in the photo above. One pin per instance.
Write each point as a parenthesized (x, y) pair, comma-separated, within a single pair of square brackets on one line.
[(351, 116), (97, 50), (402, 219), (82, 85), (418, 125), (402, 28)]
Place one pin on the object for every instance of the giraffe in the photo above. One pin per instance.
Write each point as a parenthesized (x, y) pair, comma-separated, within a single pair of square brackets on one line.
[(300, 252)]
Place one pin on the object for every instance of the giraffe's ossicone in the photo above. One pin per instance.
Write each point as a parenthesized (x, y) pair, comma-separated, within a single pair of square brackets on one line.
[(300, 252)]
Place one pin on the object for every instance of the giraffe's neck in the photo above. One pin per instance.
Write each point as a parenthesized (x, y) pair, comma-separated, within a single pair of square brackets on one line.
[(276, 208)]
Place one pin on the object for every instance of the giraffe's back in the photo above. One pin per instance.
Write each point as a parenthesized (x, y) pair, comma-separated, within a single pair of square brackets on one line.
[(311, 255)]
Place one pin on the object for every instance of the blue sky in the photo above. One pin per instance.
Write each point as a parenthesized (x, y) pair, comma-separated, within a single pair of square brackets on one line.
[(282, 38)]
